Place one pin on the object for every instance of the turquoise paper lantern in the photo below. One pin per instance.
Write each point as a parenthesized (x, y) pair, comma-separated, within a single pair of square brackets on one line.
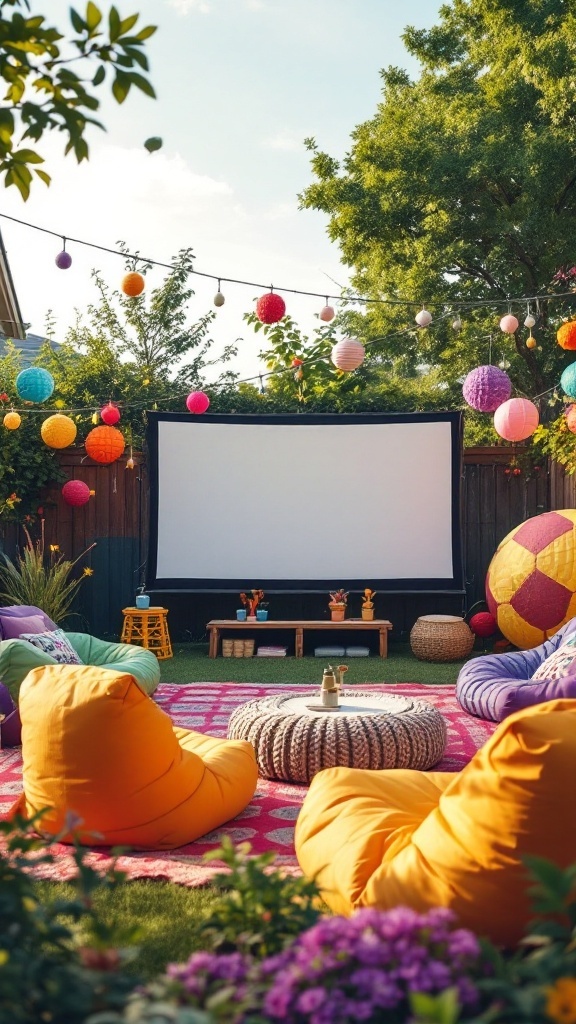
[(34, 384), (568, 380)]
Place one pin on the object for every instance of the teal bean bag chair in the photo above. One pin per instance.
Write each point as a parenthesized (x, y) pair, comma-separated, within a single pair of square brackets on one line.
[(19, 657)]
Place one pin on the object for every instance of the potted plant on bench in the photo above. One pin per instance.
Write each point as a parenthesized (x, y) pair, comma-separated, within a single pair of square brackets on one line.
[(368, 603), (251, 603), (337, 605)]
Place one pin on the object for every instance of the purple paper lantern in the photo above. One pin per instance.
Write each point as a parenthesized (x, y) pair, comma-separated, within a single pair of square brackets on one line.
[(63, 260), (486, 387)]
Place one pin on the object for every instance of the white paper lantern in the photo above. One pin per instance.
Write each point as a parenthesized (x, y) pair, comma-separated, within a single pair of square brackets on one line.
[(457, 324), (529, 321), (219, 299), (423, 318), (348, 354)]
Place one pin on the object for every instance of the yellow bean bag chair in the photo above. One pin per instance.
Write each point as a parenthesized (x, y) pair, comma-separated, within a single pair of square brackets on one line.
[(94, 744), (450, 839)]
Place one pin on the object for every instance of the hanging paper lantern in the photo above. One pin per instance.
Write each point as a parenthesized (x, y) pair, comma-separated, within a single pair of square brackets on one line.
[(63, 260), (486, 387), (104, 444), (12, 421), (34, 384), (270, 308), (509, 324), (423, 318), (457, 324), (348, 354), (197, 402), (566, 335), (327, 313), (219, 299), (530, 321), (531, 342), (571, 418), (110, 414), (568, 380), (76, 492), (516, 419), (483, 624), (297, 362), (132, 284), (58, 431)]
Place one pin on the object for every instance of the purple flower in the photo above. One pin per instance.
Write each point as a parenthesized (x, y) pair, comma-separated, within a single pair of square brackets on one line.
[(310, 1000)]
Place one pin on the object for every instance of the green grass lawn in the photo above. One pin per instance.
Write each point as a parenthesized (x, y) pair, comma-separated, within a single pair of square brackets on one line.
[(191, 664), (168, 914)]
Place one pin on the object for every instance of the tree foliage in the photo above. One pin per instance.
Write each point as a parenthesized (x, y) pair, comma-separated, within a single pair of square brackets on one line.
[(462, 189), (44, 93)]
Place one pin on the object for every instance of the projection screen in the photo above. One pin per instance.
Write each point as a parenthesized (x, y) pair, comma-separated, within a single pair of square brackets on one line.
[(305, 502)]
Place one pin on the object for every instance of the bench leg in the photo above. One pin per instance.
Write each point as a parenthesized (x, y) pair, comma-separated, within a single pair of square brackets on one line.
[(383, 632), (213, 648), (299, 642)]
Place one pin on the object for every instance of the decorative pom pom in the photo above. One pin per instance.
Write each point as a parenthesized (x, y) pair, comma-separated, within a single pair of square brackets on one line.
[(63, 260), (76, 492), (110, 414), (566, 335), (483, 624), (509, 324), (270, 308), (486, 387)]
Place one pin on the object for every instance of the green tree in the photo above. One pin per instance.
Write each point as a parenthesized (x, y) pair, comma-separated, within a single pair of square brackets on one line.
[(43, 93), (462, 189), (138, 352)]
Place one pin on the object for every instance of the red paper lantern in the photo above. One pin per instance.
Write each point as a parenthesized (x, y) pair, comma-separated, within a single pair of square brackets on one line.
[(110, 414), (76, 492), (566, 335), (104, 444), (197, 402), (270, 308), (483, 624)]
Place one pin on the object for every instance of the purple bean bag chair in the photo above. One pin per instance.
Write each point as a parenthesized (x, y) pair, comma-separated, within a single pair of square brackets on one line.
[(496, 685)]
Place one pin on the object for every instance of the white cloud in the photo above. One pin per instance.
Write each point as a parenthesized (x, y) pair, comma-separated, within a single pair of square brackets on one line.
[(187, 6), (286, 140)]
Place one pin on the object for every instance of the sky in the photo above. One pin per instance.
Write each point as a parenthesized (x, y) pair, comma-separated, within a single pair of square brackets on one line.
[(240, 84)]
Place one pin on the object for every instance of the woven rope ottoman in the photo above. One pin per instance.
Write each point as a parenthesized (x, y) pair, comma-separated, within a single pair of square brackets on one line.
[(368, 730)]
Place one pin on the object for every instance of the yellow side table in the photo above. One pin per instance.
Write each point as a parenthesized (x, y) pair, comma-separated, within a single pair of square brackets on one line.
[(147, 628)]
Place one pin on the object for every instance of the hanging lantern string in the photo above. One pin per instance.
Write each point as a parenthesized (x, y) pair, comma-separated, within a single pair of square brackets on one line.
[(456, 304)]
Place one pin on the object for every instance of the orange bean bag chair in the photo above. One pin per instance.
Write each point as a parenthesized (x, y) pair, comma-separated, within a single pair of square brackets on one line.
[(449, 839), (93, 743)]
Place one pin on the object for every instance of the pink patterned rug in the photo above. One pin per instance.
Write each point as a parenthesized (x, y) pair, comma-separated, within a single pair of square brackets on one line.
[(268, 821)]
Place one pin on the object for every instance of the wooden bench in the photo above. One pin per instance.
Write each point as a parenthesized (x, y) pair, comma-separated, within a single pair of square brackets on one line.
[(215, 627)]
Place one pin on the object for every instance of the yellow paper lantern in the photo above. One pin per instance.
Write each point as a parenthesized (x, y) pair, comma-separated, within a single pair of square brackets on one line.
[(12, 420), (58, 431)]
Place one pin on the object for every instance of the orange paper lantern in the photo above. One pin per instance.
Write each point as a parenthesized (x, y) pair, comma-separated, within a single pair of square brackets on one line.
[(58, 431), (132, 284), (12, 420), (104, 444), (566, 335)]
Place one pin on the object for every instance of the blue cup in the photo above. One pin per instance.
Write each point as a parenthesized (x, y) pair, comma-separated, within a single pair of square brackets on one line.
[(143, 600), (261, 614), (241, 615)]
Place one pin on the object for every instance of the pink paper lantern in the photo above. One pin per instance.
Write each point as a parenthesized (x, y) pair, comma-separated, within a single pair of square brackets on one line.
[(571, 418), (509, 324), (348, 354), (197, 402), (327, 314), (76, 492), (110, 414), (516, 419)]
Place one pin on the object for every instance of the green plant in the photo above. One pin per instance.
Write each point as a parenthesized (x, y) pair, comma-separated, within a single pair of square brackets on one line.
[(59, 961), (259, 909), (40, 578)]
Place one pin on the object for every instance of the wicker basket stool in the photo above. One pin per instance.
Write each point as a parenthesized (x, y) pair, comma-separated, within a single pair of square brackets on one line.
[(368, 730), (441, 638)]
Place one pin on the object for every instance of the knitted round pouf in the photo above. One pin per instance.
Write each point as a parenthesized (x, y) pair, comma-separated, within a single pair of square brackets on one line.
[(441, 638), (293, 740)]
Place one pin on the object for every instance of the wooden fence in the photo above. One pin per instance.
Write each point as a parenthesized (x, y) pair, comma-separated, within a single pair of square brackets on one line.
[(493, 503)]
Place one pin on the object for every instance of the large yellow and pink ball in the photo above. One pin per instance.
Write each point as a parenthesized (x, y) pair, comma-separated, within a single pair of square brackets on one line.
[(531, 580)]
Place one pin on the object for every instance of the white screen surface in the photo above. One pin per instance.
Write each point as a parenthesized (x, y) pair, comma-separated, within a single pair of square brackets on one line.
[(282, 499)]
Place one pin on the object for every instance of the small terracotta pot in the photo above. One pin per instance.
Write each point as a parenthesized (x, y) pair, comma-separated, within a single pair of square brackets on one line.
[(337, 612)]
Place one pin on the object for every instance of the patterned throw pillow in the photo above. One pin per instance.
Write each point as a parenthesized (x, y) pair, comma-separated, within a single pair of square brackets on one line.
[(56, 644), (559, 662)]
